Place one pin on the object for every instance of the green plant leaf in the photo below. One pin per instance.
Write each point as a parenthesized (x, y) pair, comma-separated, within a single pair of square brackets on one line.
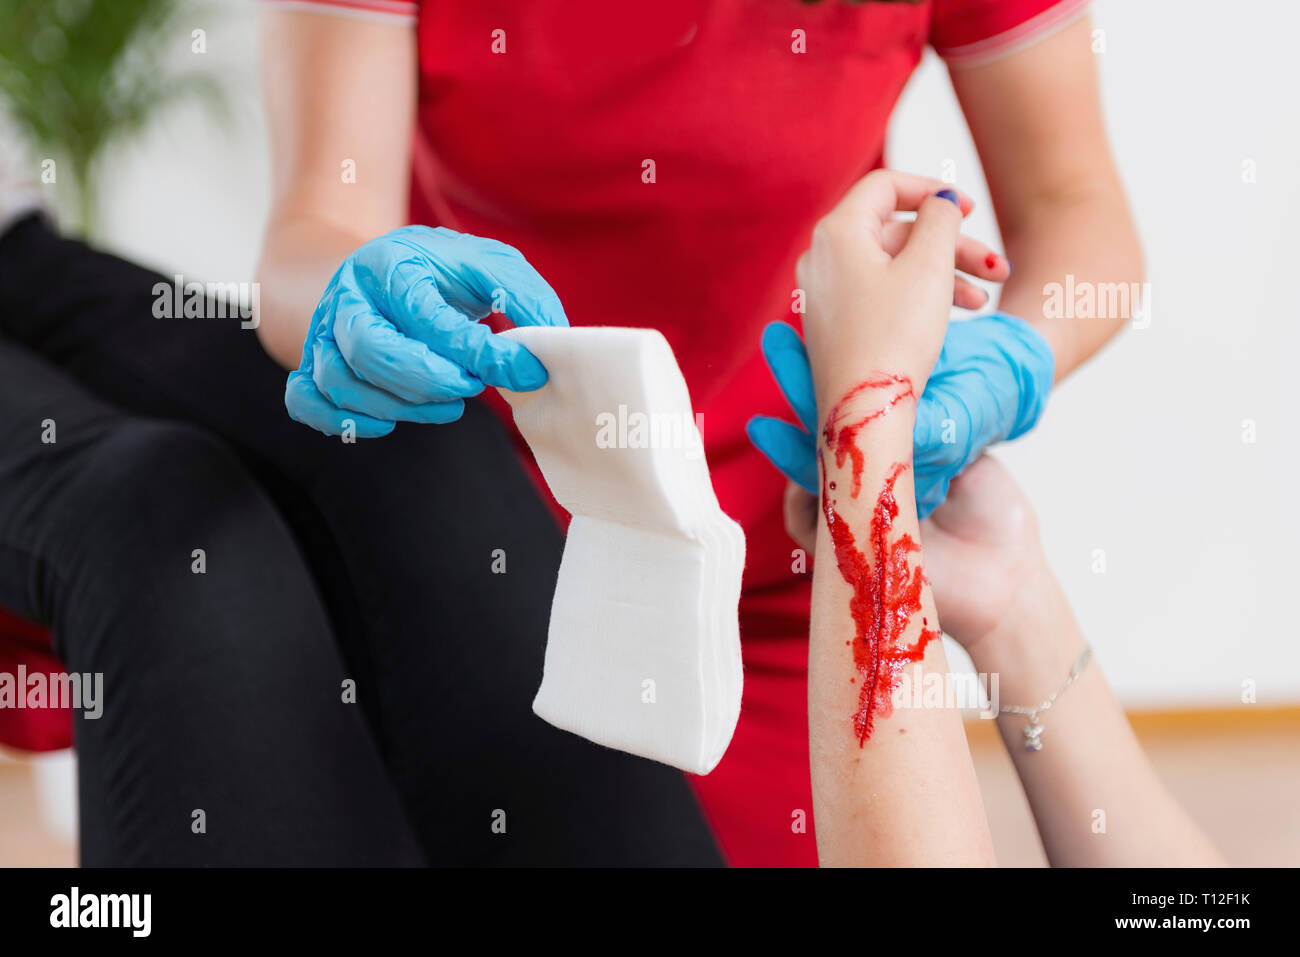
[(79, 76)]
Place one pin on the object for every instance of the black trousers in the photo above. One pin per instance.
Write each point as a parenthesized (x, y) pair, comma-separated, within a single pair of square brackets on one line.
[(228, 736)]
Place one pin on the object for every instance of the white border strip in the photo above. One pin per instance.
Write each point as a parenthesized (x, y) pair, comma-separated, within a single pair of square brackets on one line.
[(1017, 38), (395, 15)]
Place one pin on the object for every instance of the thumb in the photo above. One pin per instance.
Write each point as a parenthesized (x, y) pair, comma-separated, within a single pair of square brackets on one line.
[(931, 248)]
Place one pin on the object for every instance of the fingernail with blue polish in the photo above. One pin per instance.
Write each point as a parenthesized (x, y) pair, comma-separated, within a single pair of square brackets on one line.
[(950, 195)]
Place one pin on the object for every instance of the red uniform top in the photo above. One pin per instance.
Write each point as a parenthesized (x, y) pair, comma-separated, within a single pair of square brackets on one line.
[(662, 166)]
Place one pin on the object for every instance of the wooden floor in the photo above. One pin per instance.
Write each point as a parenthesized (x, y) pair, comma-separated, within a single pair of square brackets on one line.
[(24, 840), (1239, 779)]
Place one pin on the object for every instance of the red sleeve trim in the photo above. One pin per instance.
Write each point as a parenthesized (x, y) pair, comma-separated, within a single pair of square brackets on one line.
[(388, 11), (1017, 38)]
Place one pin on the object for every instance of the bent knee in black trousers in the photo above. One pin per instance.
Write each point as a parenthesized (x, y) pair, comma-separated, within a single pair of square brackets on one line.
[(397, 537), (160, 564)]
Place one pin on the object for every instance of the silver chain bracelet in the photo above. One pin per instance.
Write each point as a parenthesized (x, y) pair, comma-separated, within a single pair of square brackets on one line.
[(1034, 730)]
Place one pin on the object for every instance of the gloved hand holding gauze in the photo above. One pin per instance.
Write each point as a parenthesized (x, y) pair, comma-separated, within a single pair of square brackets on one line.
[(643, 653)]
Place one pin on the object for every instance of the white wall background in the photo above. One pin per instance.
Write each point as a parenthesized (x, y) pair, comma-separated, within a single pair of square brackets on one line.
[(1141, 452), (191, 195)]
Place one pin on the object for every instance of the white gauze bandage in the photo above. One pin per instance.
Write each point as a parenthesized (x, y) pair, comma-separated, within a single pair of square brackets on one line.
[(643, 653)]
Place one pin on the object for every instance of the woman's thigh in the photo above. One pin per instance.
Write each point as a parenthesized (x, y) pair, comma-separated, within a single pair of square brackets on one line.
[(432, 551), (172, 586)]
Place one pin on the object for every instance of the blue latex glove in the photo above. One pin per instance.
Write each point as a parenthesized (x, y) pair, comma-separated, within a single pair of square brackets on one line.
[(990, 384), (395, 337)]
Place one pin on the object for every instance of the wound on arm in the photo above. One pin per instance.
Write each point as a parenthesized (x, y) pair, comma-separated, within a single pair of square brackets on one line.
[(886, 585)]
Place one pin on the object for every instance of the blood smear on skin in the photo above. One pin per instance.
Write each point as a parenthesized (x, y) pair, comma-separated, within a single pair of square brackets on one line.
[(842, 438), (886, 587)]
